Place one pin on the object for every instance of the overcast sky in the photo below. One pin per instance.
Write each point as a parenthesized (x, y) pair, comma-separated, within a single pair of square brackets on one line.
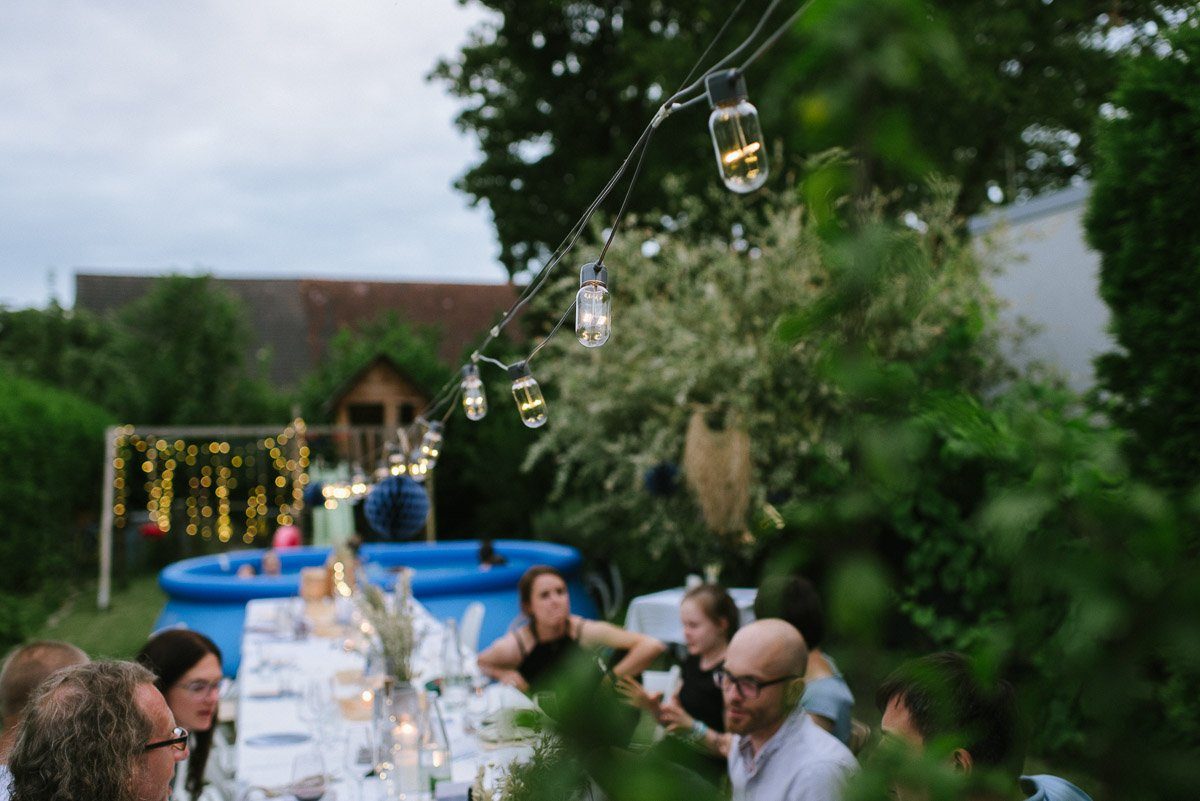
[(239, 137)]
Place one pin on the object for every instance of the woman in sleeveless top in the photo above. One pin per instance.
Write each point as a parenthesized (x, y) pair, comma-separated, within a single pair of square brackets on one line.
[(528, 655)]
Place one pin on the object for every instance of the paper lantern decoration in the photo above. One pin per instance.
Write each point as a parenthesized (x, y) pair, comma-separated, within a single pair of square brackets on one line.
[(662, 480), (397, 507)]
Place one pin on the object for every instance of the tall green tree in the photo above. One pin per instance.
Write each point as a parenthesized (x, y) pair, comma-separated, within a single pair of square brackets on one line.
[(185, 340), (69, 349), (999, 96), (697, 330), (1142, 220)]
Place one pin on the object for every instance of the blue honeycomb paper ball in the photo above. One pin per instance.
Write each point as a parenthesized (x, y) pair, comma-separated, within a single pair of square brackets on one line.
[(397, 507)]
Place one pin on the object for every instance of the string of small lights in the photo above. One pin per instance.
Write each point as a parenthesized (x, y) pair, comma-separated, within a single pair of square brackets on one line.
[(203, 476), (740, 151), (277, 467)]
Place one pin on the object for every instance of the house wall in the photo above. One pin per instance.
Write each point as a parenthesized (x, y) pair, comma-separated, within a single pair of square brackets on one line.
[(1051, 279)]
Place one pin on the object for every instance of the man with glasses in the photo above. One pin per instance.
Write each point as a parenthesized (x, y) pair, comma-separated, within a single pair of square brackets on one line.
[(26, 667), (778, 753), (97, 731)]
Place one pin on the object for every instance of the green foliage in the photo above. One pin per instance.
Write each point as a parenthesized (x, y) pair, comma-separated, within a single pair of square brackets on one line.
[(185, 340), (51, 463), (174, 356), (697, 328), (983, 92), (72, 350), (1142, 220)]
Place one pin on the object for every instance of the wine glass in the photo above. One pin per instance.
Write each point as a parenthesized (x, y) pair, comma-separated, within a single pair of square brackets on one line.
[(309, 781), (358, 757)]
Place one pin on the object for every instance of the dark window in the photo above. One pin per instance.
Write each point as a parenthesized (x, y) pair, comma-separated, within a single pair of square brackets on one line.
[(366, 414), (408, 413)]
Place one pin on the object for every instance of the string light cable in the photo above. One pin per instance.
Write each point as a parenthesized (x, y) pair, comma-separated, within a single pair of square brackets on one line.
[(742, 165)]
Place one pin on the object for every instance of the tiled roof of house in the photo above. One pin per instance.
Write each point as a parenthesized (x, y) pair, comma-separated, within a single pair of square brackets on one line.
[(293, 320)]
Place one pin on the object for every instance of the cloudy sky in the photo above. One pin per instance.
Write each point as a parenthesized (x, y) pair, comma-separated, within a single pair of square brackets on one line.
[(238, 137)]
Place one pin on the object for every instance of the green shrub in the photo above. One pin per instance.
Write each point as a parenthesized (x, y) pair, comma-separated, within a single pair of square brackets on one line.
[(51, 469), (1142, 219)]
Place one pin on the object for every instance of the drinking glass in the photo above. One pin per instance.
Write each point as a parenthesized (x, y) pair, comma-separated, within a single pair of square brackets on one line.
[(308, 776), (358, 757)]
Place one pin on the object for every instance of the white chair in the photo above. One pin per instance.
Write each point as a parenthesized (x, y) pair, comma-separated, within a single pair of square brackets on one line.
[(469, 626)]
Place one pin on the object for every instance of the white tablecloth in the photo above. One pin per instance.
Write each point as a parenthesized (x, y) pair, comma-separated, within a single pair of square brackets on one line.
[(657, 614), (271, 663)]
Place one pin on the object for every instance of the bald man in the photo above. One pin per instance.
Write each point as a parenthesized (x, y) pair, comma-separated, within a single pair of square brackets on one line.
[(25, 668), (778, 753)]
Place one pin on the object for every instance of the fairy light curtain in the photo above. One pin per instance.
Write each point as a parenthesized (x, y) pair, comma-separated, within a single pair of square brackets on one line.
[(212, 488)]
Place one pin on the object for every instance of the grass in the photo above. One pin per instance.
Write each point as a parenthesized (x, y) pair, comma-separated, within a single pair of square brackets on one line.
[(115, 633)]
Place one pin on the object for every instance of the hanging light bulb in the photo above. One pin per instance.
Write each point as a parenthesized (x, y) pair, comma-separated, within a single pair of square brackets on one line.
[(528, 395), (474, 400), (593, 306), (736, 133), (430, 448)]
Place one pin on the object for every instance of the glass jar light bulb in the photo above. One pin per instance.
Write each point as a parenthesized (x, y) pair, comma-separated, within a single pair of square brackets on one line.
[(425, 456), (528, 395), (736, 133), (593, 306), (474, 400)]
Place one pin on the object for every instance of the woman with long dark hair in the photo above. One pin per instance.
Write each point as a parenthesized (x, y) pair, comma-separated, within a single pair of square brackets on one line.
[(528, 656), (188, 669)]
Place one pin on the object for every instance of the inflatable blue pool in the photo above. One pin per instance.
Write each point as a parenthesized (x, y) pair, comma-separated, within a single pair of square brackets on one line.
[(205, 593)]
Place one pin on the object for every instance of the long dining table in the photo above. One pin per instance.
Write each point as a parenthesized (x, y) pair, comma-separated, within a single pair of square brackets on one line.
[(290, 647)]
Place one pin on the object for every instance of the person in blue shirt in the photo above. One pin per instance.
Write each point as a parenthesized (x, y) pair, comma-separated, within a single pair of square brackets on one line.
[(942, 697), (827, 697)]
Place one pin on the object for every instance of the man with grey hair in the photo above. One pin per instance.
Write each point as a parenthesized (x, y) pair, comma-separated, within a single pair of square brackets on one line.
[(97, 731), (778, 753), (26, 667)]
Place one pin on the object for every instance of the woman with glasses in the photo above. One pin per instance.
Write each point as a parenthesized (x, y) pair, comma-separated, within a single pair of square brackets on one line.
[(188, 669)]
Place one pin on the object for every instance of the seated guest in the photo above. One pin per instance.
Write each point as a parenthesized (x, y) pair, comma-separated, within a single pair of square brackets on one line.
[(271, 566), (696, 710), (827, 697), (528, 656), (97, 731), (488, 558), (26, 667), (187, 670), (941, 697), (778, 752)]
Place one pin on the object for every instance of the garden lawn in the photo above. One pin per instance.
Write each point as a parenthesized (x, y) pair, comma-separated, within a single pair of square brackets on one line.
[(117, 633)]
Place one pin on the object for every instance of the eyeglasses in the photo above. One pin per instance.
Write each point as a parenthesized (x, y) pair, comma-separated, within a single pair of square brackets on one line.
[(747, 687), (200, 688), (178, 741)]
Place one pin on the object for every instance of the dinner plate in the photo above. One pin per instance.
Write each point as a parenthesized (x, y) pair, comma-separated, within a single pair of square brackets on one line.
[(279, 738)]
